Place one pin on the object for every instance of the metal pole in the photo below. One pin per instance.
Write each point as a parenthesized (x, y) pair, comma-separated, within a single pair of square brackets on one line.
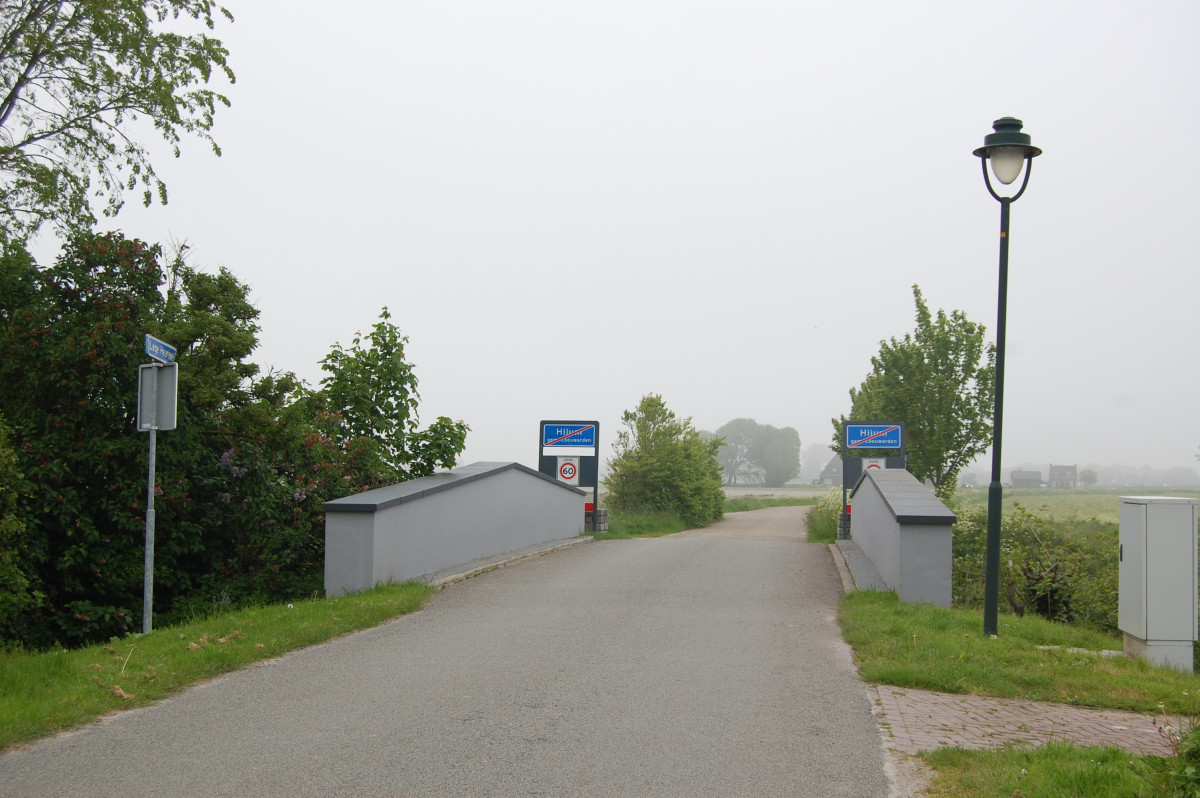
[(991, 591), (148, 574)]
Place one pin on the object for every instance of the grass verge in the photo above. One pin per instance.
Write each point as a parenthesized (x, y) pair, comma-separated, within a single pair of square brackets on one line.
[(626, 524), (743, 504), (822, 520), (1055, 770), (936, 648), (47, 692)]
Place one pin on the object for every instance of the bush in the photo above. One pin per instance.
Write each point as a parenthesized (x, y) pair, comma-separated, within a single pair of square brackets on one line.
[(662, 463), (1047, 568)]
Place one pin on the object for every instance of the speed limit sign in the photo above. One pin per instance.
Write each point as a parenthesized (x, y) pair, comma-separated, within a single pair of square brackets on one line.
[(568, 470)]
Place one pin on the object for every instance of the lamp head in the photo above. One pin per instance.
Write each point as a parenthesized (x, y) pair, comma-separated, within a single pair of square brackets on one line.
[(1007, 148)]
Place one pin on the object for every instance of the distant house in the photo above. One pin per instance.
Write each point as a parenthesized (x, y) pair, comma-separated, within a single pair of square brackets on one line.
[(1064, 477), (1026, 479), (832, 473)]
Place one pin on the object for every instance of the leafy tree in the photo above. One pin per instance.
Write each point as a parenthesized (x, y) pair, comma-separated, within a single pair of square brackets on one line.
[(758, 453), (18, 595), (934, 381), (662, 463), (737, 455), (239, 484), (1087, 477), (779, 455), (74, 77), (68, 381), (373, 390)]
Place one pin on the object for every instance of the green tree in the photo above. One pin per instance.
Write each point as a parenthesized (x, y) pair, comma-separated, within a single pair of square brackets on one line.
[(939, 381), (663, 463), (736, 456), (239, 484), (758, 453), (74, 78), (69, 353), (18, 594), (778, 455), (373, 390)]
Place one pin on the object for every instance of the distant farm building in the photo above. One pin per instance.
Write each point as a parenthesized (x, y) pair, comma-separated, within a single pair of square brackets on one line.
[(832, 473), (1026, 479), (1064, 477)]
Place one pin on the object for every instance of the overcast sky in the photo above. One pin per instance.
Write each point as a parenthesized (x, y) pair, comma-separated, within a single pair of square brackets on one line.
[(566, 206)]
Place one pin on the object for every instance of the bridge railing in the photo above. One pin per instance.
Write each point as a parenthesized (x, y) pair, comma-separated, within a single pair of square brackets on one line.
[(433, 523), (907, 533)]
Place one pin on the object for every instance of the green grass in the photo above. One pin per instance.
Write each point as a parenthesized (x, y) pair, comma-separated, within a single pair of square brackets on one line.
[(626, 524), (943, 649), (822, 520), (1054, 770), (743, 504), (935, 648), (47, 692)]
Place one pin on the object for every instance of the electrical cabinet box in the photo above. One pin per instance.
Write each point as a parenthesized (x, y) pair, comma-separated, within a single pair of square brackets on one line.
[(1157, 603)]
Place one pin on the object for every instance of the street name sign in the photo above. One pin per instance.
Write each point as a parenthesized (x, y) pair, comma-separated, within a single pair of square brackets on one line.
[(161, 351)]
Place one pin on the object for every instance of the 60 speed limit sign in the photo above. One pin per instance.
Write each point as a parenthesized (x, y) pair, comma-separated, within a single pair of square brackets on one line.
[(568, 470)]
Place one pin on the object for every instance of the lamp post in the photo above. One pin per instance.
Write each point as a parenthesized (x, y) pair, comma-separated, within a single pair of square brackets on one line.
[(1009, 150)]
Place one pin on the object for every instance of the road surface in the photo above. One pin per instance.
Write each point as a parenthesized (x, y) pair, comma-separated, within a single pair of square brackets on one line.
[(701, 664)]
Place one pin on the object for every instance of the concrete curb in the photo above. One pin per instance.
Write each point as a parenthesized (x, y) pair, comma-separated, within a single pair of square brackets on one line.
[(842, 569)]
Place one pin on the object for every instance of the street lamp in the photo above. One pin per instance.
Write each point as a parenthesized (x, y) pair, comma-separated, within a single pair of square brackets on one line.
[(1009, 150)]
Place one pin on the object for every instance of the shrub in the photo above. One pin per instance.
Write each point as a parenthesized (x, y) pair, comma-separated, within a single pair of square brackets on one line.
[(1046, 568), (662, 463)]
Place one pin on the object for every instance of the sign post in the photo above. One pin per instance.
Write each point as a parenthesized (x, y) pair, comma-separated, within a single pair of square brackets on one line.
[(158, 389), (569, 451), (867, 437)]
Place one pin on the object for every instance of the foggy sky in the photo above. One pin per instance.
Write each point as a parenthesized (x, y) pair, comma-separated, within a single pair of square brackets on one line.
[(566, 206)]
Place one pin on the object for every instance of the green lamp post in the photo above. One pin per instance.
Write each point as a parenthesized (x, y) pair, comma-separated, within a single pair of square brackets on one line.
[(1010, 152)]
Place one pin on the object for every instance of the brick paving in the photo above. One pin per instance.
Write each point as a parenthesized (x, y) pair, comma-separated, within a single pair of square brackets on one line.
[(921, 720)]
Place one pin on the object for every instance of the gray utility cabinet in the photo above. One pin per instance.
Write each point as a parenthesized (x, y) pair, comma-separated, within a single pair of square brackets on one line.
[(1156, 608)]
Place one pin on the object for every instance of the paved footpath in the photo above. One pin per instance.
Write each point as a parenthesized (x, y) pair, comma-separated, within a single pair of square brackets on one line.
[(921, 720), (708, 663)]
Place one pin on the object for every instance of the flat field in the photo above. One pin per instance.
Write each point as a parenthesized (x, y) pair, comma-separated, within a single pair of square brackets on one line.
[(797, 491), (1101, 504)]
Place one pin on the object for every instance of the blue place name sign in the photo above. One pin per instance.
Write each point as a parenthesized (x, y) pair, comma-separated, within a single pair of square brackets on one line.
[(874, 436), (569, 434), (161, 351)]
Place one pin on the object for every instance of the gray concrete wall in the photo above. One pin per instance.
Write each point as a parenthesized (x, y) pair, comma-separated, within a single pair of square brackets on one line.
[(420, 527), (907, 534)]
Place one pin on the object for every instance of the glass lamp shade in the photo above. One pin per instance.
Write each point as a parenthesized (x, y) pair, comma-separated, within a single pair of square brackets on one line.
[(1007, 163)]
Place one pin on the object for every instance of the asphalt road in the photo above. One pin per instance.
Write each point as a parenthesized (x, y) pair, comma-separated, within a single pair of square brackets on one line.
[(705, 663)]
